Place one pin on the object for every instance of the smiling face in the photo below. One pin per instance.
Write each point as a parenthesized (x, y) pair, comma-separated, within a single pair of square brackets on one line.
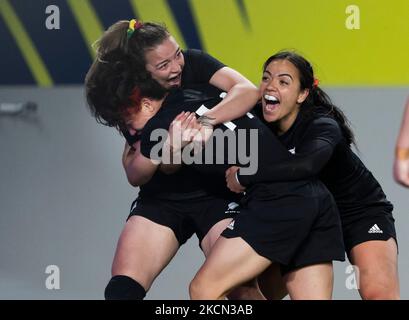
[(281, 93), (165, 62)]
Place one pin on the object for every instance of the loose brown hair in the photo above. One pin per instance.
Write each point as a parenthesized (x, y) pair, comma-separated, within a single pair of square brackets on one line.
[(119, 68)]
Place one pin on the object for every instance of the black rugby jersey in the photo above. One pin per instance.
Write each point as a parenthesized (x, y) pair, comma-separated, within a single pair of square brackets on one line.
[(269, 150), (199, 67), (318, 148)]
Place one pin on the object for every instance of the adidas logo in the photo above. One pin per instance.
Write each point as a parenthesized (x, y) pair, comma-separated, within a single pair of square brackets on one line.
[(292, 150), (375, 229), (231, 225)]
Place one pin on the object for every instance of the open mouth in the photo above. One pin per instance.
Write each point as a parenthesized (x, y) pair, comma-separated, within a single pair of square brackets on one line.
[(272, 102), (176, 79)]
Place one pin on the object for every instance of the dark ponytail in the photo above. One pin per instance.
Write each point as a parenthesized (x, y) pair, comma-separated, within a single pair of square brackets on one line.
[(119, 68), (318, 103)]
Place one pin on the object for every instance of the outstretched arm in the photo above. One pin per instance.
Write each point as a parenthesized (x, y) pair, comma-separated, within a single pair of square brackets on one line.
[(401, 165)]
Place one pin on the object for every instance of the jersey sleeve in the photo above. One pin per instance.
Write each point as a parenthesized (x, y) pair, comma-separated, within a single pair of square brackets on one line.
[(312, 153), (199, 67)]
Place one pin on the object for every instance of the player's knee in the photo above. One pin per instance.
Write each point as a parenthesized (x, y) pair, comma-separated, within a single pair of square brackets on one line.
[(247, 291), (122, 287), (198, 290), (241, 293), (382, 290)]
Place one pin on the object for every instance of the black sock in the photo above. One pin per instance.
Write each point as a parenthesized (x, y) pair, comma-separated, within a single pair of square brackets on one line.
[(124, 288)]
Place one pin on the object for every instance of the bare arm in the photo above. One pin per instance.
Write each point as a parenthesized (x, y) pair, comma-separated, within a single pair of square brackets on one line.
[(403, 138), (401, 164), (139, 169), (241, 96)]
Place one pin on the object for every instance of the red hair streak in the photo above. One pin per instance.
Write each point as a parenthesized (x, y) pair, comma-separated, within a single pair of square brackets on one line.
[(135, 99)]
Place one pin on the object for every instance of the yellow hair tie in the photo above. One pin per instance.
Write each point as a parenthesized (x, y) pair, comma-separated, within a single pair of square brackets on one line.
[(133, 24)]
